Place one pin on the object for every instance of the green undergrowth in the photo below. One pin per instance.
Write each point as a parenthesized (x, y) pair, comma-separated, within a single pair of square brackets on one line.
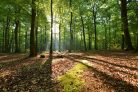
[(1, 65), (71, 81)]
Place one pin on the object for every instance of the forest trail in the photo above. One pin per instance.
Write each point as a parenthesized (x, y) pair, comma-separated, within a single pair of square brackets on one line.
[(71, 72)]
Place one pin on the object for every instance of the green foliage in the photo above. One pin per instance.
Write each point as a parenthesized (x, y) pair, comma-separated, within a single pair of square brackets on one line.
[(108, 21)]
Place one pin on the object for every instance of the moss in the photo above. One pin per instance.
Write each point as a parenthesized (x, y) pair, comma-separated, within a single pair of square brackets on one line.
[(71, 81)]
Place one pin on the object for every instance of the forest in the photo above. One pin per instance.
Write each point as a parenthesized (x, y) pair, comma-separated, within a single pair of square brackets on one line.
[(68, 45)]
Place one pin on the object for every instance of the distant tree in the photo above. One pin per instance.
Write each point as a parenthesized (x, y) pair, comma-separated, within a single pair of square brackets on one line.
[(83, 32), (94, 10)]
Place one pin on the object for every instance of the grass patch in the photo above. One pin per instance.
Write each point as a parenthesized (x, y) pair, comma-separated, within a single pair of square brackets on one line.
[(2, 65), (71, 81)]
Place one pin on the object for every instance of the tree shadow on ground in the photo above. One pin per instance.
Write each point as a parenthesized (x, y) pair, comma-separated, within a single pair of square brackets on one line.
[(119, 85), (36, 78), (11, 57), (98, 60), (12, 63), (114, 54), (47, 72)]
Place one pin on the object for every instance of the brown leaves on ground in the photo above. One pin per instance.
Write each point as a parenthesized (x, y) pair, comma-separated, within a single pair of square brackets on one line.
[(34, 74), (106, 72), (117, 70)]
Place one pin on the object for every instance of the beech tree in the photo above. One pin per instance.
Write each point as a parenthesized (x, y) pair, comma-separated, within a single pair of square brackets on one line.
[(125, 25)]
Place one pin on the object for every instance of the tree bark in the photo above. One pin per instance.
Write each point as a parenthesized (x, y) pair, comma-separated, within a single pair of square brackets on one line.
[(36, 35), (3, 36), (16, 31), (51, 43), (83, 32), (6, 45), (105, 35), (123, 44), (90, 38), (59, 37), (45, 38), (95, 27), (137, 44), (26, 41), (16, 36), (71, 31), (109, 41), (125, 25), (32, 33)]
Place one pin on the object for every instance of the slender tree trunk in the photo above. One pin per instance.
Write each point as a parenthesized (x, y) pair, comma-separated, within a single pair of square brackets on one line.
[(95, 27), (137, 44), (7, 35), (36, 35), (59, 37), (74, 36), (51, 43), (20, 40), (136, 50), (109, 34), (16, 36), (32, 33), (125, 25), (83, 32), (71, 31), (105, 35), (64, 38), (81, 41), (26, 41), (3, 36), (123, 44), (40, 43), (12, 42), (115, 33), (45, 38), (90, 38)]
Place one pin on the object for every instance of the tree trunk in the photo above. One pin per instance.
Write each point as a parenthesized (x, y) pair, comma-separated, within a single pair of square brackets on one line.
[(105, 35), (90, 38), (125, 25), (83, 32), (16, 31), (16, 36), (7, 35), (12, 42), (137, 44), (109, 34), (59, 37), (20, 40), (3, 36), (32, 33), (51, 43), (95, 29), (71, 31), (26, 41), (123, 44), (36, 35), (45, 38)]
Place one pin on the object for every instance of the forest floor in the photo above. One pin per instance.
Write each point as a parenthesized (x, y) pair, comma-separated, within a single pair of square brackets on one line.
[(96, 71)]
